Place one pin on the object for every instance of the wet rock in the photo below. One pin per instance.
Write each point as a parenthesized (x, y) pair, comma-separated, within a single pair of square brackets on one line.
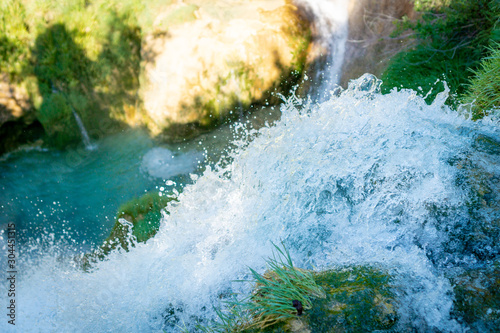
[(477, 298), (137, 220), (358, 299), (370, 45)]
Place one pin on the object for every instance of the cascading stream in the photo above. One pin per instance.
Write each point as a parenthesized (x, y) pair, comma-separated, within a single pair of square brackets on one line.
[(330, 30), (83, 131), (362, 178), (359, 179)]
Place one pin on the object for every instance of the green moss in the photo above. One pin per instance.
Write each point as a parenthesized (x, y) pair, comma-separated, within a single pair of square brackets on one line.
[(143, 215), (359, 299), (349, 299), (136, 221)]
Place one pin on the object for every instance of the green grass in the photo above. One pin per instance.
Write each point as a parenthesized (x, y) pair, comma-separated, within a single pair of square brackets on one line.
[(271, 301), (484, 89), (347, 299)]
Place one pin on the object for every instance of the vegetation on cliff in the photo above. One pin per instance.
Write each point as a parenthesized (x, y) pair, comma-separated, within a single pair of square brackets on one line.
[(289, 299), (73, 56), (90, 57), (451, 39)]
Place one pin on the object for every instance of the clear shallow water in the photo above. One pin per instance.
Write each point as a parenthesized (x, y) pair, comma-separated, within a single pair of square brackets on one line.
[(362, 178)]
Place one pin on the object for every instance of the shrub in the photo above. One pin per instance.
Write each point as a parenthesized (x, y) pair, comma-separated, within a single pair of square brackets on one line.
[(484, 89), (357, 299), (451, 38)]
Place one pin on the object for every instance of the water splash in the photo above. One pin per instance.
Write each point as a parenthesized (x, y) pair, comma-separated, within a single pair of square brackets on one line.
[(362, 178), (162, 163)]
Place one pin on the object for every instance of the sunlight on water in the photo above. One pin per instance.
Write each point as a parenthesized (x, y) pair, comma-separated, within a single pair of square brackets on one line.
[(362, 178)]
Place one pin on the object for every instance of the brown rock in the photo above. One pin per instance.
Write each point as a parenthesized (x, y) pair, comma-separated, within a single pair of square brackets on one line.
[(18, 124), (208, 59)]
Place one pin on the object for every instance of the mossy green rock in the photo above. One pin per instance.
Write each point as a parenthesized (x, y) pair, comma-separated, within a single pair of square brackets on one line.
[(137, 220), (477, 298), (358, 299)]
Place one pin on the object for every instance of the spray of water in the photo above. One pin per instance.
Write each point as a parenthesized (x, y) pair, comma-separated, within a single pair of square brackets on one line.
[(362, 179)]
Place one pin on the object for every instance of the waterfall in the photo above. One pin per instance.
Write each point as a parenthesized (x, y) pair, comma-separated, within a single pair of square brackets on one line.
[(361, 179), (83, 131), (330, 31), (357, 179)]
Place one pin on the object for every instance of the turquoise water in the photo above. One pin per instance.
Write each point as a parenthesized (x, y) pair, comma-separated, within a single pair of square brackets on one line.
[(74, 195)]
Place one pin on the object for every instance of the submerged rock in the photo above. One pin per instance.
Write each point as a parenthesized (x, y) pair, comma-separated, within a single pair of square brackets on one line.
[(357, 299), (477, 288), (477, 298), (137, 220), (206, 61), (353, 299)]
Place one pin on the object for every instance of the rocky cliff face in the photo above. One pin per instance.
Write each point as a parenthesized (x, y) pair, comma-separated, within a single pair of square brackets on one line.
[(208, 60), (370, 45)]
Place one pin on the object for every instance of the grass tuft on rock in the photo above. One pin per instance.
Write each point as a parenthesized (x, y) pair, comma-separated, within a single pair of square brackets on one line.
[(348, 299)]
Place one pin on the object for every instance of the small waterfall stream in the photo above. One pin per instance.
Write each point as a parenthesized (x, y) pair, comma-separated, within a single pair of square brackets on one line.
[(330, 31), (83, 131)]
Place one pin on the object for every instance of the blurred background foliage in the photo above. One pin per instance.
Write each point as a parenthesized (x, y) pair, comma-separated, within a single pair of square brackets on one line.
[(87, 51)]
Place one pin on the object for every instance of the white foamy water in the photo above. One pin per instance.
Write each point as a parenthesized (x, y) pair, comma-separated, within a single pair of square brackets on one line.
[(355, 180)]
